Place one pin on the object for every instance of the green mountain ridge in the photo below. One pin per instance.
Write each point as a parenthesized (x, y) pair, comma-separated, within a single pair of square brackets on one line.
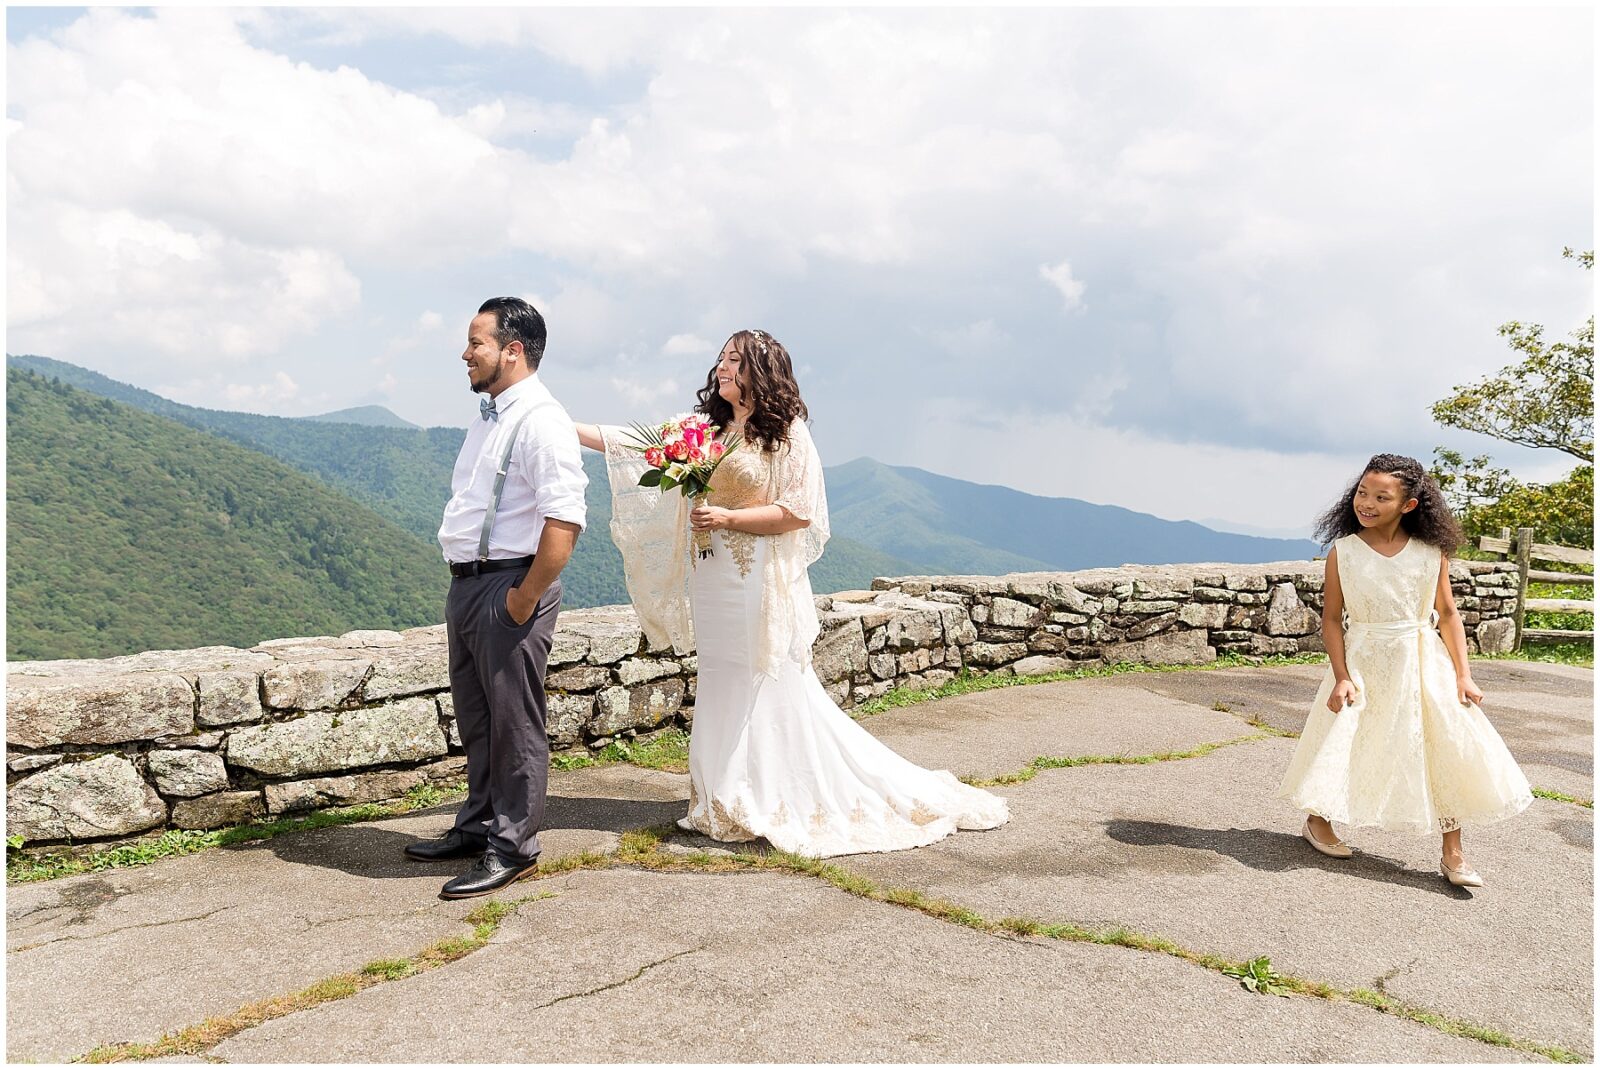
[(403, 475), (130, 531), (887, 520)]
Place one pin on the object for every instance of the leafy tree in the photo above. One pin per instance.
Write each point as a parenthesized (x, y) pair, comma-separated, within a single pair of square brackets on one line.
[(1544, 401)]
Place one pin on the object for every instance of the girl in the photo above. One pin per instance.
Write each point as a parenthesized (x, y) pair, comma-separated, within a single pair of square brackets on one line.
[(1395, 738)]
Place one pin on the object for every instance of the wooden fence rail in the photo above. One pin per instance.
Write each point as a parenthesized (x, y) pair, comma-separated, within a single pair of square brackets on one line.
[(1525, 551)]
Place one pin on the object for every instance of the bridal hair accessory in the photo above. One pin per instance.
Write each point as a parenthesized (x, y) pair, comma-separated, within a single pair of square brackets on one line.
[(761, 338), (682, 453)]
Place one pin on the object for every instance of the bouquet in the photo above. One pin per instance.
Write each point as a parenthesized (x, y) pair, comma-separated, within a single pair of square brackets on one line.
[(682, 453)]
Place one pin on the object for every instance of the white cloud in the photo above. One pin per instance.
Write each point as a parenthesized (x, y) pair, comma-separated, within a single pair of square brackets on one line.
[(511, 116), (686, 345), (192, 293), (645, 393), (1060, 276), (430, 321), (981, 338), (1303, 225), (206, 197), (600, 43), (280, 388), (177, 115)]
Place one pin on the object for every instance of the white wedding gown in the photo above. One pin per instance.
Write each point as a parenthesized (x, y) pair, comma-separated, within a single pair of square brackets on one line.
[(770, 754)]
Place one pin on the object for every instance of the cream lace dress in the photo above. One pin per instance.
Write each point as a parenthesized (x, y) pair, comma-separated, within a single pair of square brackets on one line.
[(770, 754), (1405, 756)]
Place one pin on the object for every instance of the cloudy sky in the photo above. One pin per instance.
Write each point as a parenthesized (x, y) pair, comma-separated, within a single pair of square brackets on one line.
[(1199, 263)]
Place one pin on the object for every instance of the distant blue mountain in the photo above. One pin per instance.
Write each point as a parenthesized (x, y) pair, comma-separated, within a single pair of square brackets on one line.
[(952, 526), (364, 415)]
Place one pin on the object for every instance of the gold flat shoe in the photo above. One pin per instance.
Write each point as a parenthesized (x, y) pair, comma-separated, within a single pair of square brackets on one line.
[(1461, 878), (1337, 849)]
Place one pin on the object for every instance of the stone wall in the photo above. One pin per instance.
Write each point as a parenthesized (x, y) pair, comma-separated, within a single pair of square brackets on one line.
[(104, 750)]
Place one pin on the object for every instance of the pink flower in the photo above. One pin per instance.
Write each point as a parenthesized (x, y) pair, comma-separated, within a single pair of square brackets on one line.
[(716, 450), (655, 457), (677, 450), (694, 435)]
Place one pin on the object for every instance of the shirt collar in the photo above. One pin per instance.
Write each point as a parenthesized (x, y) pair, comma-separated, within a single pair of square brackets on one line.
[(528, 387)]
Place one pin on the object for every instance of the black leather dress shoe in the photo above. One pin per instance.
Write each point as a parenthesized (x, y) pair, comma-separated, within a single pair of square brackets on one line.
[(489, 873), (453, 844)]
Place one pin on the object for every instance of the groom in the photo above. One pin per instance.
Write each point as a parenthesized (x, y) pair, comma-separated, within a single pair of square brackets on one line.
[(516, 508)]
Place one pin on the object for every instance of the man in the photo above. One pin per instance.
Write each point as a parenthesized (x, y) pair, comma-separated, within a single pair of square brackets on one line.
[(516, 508)]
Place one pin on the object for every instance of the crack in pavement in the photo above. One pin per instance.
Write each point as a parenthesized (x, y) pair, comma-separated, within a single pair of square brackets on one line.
[(951, 913), (1390, 975), (119, 929), (335, 921), (618, 984), (199, 1040), (647, 856), (1047, 762)]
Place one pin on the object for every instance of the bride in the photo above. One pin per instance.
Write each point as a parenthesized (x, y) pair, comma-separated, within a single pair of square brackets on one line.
[(770, 754)]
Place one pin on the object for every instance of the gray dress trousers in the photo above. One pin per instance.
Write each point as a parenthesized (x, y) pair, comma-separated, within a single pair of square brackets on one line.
[(497, 672)]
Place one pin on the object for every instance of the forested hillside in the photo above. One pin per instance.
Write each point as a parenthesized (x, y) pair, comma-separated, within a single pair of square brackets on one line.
[(129, 531)]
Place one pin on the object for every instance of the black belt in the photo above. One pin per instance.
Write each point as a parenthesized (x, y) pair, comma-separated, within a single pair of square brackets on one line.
[(460, 569)]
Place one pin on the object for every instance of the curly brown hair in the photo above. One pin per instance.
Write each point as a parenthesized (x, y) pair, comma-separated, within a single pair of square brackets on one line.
[(1431, 521), (767, 376)]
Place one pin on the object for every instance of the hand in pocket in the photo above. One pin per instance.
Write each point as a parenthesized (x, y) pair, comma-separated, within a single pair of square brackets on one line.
[(518, 609)]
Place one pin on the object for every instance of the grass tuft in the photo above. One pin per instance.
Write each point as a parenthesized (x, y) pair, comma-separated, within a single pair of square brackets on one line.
[(389, 969), (1032, 769), (667, 751), (174, 843), (1556, 796), (196, 1040)]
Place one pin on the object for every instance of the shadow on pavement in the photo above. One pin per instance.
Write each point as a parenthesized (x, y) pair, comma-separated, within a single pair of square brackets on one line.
[(377, 852), (610, 815), (1276, 852)]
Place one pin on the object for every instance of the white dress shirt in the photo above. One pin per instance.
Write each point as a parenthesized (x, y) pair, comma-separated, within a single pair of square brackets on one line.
[(544, 481)]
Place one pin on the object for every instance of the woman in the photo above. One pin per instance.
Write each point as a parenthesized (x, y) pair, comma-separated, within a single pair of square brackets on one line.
[(770, 754)]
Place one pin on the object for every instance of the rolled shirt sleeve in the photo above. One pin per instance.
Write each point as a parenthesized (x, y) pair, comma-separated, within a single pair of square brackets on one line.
[(552, 462)]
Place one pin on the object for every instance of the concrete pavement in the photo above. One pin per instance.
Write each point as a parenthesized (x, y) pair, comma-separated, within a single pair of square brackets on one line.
[(636, 964)]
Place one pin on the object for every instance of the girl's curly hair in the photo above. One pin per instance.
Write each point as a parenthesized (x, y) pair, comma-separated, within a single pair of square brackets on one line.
[(768, 383), (1431, 521)]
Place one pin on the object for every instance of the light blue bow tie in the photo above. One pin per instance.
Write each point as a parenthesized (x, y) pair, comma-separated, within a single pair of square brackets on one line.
[(487, 411)]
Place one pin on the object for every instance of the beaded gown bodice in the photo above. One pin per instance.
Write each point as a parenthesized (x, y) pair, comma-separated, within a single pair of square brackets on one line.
[(651, 531), (743, 480)]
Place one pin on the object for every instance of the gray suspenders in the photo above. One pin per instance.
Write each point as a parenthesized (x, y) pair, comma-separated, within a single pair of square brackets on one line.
[(499, 488)]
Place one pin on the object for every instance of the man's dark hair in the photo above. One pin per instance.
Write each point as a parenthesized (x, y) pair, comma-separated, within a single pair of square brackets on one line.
[(517, 321)]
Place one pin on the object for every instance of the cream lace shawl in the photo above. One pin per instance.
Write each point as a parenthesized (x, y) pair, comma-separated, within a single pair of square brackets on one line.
[(651, 529)]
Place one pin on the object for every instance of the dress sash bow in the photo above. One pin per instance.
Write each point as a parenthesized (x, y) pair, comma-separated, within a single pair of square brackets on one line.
[(1391, 629)]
